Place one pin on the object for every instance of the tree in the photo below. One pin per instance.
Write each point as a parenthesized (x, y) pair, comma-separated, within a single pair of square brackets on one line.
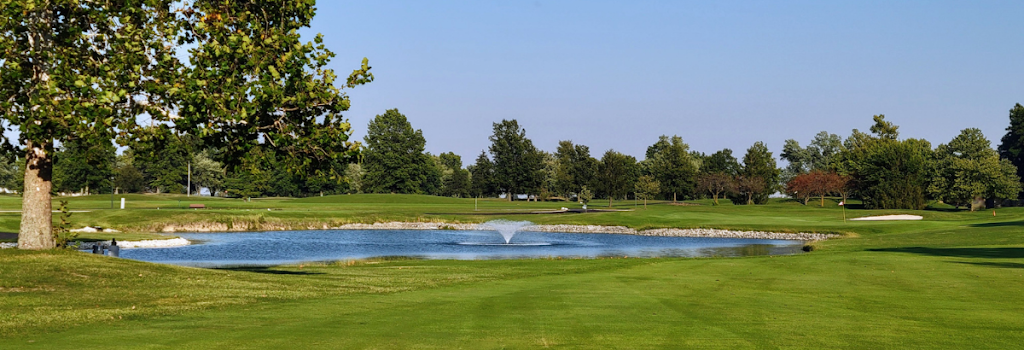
[(455, 179), (394, 160), (884, 129), (433, 183), (967, 168), (816, 183), (646, 187), (821, 154), (83, 168), (450, 160), (354, 175), (585, 196), (68, 72), (824, 150), (163, 159), (616, 174), (715, 184), (242, 184), (576, 168), (799, 187), (458, 184), (253, 82), (841, 184), (748, 187), (89, 70), (207, 173), (549, 184), (799, 159), (721, 162), (481, 176), (673, 166), (127, 178), (759, 164), (518, 165), (887, 173), (1012, 145), (11, 172)]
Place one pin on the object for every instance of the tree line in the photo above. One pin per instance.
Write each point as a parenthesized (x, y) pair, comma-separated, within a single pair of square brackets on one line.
[(878, 167)]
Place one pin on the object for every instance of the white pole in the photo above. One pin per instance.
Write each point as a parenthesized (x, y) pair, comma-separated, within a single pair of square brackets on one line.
[(188, 191), (122, 202)]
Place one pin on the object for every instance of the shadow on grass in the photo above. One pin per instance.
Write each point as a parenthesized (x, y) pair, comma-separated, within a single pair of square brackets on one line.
[(991, 253), (1007, 265), (267, 270), (999, 224)]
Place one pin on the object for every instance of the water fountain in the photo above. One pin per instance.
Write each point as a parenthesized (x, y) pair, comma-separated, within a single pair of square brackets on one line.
[(506, 228)]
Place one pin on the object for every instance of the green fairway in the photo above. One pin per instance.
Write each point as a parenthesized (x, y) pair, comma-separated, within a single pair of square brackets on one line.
[(954, 280)]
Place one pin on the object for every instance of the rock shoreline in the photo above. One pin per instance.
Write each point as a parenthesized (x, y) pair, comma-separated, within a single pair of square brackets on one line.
[(661, 232), (148, 243)]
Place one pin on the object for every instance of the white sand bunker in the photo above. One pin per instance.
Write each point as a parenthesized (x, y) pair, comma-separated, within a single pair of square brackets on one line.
[(889, 217)]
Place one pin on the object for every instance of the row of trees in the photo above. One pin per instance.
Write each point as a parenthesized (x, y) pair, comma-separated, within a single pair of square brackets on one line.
[(889, 173), (177, 165), (878, 167), (395, 162)]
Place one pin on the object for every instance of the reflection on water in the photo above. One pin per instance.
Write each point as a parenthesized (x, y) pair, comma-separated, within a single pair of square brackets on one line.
[(285, 247)]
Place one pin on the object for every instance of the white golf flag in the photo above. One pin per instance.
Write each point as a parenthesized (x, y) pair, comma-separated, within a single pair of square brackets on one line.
[(841, 203)]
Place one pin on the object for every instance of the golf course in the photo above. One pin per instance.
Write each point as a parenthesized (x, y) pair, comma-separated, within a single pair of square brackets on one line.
[(951, 280)]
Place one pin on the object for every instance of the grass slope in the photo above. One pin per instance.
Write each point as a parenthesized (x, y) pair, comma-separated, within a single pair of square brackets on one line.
[(952, 281)]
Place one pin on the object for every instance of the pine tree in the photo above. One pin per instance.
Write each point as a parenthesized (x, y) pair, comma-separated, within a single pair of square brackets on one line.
[(1012, 145)]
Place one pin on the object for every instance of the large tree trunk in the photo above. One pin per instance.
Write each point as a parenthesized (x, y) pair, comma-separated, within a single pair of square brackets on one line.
[(36, 220), (610, 201)]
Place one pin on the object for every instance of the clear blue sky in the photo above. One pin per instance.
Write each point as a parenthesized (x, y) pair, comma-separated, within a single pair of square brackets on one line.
[(722, 74)]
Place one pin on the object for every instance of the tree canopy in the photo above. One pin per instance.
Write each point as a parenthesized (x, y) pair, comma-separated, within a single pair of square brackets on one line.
[(394, 160), (87, 71), (616, 175), (887, 173), (821, 154), (1011, 146), (575, 168), (670, 162), (721, 162), (517, 163), (759, 166), (967, 168), (482, 176)]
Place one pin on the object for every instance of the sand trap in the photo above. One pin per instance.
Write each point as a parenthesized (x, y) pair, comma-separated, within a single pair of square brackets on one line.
[(889, 217)]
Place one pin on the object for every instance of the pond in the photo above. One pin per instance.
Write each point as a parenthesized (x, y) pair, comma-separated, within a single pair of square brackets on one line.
[(290, 247)]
